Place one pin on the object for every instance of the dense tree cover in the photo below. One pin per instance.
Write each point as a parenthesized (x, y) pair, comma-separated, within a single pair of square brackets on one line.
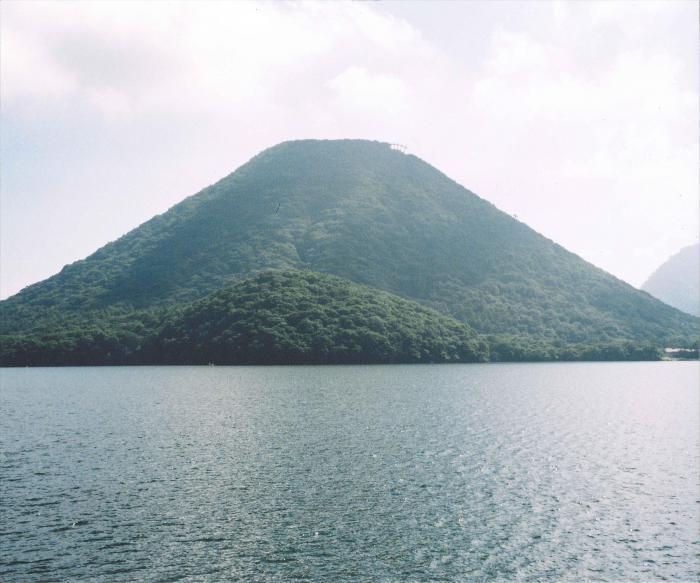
[(102, 338), (290, 317), (277, 317), (358, 210), (508, 348), (303, 317)]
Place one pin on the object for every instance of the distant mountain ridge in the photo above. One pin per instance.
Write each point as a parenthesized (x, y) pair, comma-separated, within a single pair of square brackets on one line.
[(366, 213), (677, 280)]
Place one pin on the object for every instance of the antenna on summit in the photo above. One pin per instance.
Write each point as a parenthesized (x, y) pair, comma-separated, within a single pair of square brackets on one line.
[(399, 147)]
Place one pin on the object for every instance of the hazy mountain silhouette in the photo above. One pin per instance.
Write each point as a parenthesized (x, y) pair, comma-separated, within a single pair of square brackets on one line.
[(677, 280)]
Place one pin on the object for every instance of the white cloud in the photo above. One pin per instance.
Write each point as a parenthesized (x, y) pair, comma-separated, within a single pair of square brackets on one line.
[(189, 57), (622, 13), (28, 71), (356, 88), (604, 151)]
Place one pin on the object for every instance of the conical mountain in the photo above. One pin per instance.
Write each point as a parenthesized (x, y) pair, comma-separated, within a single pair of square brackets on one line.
[(677, 280), (367, 213)]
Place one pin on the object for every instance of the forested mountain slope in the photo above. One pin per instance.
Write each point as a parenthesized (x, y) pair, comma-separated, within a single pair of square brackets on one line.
[(369, 214), (304, 317)]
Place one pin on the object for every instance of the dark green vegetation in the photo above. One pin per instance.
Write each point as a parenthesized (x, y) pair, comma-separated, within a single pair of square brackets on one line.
[(350, 208), (303, 317), (290, 317), (677, 281)]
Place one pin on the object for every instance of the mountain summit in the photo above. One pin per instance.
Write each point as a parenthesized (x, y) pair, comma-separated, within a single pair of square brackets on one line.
[(364, 212)]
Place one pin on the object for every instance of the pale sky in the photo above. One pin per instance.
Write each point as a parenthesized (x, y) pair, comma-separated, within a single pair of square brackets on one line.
[(581, 118)]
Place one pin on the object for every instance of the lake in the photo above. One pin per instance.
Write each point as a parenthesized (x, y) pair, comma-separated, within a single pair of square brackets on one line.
[(497, 472)]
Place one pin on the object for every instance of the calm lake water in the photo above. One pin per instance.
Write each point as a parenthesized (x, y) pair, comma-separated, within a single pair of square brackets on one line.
[(532, 472)]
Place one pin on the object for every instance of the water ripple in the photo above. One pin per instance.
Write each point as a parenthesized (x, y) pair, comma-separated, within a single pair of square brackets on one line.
[(548, 472)]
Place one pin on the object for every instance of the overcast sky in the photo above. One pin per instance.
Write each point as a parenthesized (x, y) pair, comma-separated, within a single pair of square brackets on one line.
[(579, 118)]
